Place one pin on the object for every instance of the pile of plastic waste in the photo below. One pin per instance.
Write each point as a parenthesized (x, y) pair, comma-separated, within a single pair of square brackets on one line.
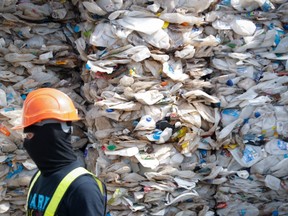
[(184, 103)]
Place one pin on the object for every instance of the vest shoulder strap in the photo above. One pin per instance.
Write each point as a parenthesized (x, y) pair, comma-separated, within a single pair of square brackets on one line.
[(36, 176), (64, 185)]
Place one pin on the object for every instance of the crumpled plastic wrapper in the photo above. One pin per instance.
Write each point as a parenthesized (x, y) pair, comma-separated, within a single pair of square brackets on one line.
[(183, 103)]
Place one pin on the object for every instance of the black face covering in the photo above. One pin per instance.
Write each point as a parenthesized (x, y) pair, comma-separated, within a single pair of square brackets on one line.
[(50, 147)]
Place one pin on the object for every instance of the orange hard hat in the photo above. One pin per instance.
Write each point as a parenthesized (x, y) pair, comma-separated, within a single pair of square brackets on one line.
[(47, 103)]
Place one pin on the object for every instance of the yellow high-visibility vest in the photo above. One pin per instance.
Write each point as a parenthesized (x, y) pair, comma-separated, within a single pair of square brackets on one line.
[(62, 188)]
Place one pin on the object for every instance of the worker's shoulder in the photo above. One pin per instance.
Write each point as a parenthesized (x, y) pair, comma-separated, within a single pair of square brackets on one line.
[(83, 191), (84, 182)]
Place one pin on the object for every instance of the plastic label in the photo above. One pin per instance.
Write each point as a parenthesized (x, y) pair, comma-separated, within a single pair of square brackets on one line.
[(165, 25), (221, 205), (226, 2), (14, 172), (282, 145), (231, 112), (258, 75), (87, 66), (277, 39), (266, 7), (203, 154), (61, 62), (10, 97), (249, 154), (8, 109), (132, 71), (241, 69), (4, 130), (111, 147), (185, 145)]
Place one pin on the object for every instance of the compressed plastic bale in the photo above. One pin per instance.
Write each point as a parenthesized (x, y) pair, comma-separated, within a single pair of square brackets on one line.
[(227, 71)]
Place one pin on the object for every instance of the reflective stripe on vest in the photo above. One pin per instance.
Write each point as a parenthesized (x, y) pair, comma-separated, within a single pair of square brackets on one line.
[(62, 188), (29, 190)]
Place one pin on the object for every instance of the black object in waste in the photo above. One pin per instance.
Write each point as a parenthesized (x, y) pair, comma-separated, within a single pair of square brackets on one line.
[(162, 124)]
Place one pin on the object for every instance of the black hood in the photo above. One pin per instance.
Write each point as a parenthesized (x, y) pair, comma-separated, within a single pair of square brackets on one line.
[(50, 147)]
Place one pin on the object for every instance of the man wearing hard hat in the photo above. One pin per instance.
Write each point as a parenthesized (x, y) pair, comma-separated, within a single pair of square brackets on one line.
[(61, 186)]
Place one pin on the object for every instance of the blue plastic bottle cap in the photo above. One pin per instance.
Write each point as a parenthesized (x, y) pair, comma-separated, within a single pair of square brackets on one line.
[(76, 29), (156, 135), (148, 119), (257, 114), (87, 67), (109, 110), (275, 213), (23, 96), (229, 82)]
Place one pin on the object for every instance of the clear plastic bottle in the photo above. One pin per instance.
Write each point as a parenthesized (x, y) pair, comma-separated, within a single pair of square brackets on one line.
[(179, 134), (276, 147)]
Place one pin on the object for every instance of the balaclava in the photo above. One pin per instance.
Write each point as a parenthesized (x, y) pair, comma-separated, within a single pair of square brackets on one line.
[(50, 147)]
